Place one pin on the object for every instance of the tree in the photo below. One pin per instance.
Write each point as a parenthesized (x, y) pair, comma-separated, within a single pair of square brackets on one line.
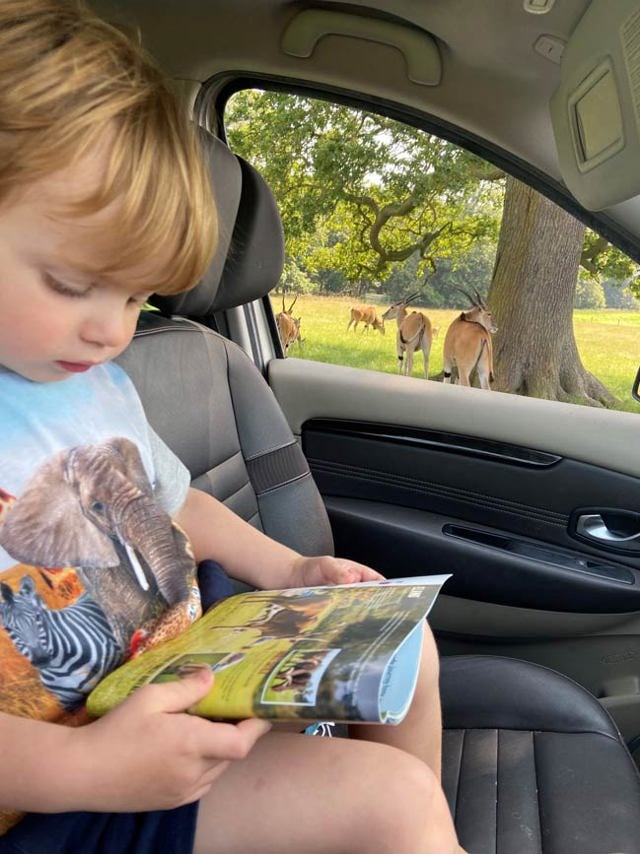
[(619, 295), (385, 191), (531, 296), (589, 293)]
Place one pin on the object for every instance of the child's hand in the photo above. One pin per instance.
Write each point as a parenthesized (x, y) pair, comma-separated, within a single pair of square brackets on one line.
[(148, 754), (315, 571)]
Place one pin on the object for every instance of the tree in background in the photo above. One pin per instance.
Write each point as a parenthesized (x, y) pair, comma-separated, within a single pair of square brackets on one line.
[(589, 293), (619, 295), (385, 192), (531, 297)]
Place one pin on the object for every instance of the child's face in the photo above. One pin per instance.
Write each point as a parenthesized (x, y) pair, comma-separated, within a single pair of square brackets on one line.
[(55, 319)]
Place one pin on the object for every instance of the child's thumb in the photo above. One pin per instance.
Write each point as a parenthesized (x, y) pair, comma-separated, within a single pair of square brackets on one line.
[(186, 691)]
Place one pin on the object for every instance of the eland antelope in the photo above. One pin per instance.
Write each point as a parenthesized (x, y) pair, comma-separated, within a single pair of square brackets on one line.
[(467, 344), (414, 332), (288, 325), (368, 315)]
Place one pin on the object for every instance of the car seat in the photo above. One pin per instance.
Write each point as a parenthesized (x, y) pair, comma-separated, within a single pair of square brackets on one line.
[(532, 763)]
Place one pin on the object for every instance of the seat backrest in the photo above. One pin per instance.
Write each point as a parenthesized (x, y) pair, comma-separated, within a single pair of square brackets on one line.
[(201, 392)]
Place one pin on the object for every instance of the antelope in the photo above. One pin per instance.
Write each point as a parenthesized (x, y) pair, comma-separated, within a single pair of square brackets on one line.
[(368, 315), (467, 344), (288, 326), (414, 332)]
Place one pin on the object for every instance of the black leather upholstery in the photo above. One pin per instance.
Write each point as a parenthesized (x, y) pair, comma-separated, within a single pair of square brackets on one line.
[(532, 762)]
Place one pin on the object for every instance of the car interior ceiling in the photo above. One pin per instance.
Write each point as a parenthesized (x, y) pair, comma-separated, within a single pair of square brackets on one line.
[(531, 761)]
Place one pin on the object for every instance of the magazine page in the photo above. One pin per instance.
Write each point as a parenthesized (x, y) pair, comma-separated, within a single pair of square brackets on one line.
[(400, 678), (306, 653)]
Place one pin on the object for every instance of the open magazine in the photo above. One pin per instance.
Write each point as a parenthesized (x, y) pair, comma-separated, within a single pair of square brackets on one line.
[(339, 653)]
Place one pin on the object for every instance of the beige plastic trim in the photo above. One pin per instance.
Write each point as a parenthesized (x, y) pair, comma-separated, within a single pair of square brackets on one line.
[(603, 437), (419, 49)]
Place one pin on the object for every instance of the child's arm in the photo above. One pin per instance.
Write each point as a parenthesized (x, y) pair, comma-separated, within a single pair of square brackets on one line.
[(145, 754), (247, 554)]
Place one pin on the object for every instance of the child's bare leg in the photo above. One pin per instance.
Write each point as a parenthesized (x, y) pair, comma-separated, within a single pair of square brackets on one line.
[(420, 733), (295, 793)]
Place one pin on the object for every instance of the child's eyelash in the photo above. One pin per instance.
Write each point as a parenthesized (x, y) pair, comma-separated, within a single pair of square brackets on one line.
[(60, 288)]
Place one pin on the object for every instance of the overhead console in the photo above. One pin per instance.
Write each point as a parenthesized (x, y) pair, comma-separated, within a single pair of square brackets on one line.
[(596, 109)]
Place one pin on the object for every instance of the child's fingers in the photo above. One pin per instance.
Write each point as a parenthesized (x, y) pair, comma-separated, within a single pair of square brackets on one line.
[(230, 741), (178, 696)]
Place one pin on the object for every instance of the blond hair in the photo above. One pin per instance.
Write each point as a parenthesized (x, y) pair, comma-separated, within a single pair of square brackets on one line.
[(68, 80)]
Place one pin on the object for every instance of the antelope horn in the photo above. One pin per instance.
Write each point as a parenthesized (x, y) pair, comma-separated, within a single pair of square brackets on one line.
[(480, 298), (467, 294), (283, 308), (292, 304), (412, 297)]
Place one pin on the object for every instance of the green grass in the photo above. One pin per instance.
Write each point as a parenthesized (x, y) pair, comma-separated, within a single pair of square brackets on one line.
[(609, 346), (608, 341)]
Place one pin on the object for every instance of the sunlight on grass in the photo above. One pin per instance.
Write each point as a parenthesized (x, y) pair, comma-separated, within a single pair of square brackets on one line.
[(608, 341), (609, 345)]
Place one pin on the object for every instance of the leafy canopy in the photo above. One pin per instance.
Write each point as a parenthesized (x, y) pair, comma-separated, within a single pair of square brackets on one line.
[(362, 193)]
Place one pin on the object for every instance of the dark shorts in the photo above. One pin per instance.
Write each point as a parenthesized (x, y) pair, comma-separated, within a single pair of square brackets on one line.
[(166, 832)]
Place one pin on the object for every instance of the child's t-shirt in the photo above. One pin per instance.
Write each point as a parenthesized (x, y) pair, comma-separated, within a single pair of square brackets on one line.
[(92, 568)]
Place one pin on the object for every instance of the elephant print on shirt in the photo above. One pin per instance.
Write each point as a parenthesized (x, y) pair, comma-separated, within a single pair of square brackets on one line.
[(92, 507)]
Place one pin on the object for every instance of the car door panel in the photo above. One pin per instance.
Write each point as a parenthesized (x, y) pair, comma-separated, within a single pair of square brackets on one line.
[(402, 541), (477, 497), (530, 501)]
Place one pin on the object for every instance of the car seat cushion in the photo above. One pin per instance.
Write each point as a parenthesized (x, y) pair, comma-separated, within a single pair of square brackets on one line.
[(532, 763)]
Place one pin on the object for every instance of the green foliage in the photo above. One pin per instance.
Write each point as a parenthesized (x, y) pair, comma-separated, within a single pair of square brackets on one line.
[(589, 293), (602, 260), (620, 295), (370, 205), (295, 280), (380, 190)]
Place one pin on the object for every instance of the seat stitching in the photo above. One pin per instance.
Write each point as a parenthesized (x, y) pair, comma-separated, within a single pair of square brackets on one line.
[(462, 750), (551, 731), (535, 775), (239, 489), (284, 483), (221, 462), (497, 787)]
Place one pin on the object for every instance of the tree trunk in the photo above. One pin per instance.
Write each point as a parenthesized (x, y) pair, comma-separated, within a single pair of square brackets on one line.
[(531, 298)]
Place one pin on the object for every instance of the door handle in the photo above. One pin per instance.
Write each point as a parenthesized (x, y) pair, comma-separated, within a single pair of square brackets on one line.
[(592, 526)]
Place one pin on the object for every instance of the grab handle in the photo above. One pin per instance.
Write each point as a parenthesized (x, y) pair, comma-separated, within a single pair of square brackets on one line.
[(418, 47)]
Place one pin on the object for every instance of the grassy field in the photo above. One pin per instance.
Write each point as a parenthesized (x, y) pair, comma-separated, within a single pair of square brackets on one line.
[(608, 341)]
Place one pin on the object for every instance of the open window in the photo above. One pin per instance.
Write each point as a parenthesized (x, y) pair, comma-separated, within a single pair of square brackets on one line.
[(376, 211)]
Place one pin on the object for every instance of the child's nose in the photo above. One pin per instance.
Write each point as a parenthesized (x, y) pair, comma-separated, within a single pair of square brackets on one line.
[(109, 330)]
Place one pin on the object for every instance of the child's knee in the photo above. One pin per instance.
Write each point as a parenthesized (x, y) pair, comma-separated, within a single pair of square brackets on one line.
[(430, 656), (429, 672), (412, 811)]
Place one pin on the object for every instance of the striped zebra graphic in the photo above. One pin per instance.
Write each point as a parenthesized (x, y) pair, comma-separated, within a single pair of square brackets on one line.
[(72, 647)]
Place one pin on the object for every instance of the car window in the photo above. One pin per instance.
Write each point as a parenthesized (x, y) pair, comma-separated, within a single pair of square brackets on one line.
[(402, 244)]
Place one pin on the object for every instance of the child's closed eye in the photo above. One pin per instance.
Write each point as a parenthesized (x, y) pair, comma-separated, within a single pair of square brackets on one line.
[(63, 288)]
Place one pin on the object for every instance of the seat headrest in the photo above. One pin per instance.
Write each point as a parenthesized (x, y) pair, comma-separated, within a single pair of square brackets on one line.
[(249, 257)]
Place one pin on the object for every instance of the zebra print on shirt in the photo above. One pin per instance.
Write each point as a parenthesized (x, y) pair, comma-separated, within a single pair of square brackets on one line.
[(72, 647)]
